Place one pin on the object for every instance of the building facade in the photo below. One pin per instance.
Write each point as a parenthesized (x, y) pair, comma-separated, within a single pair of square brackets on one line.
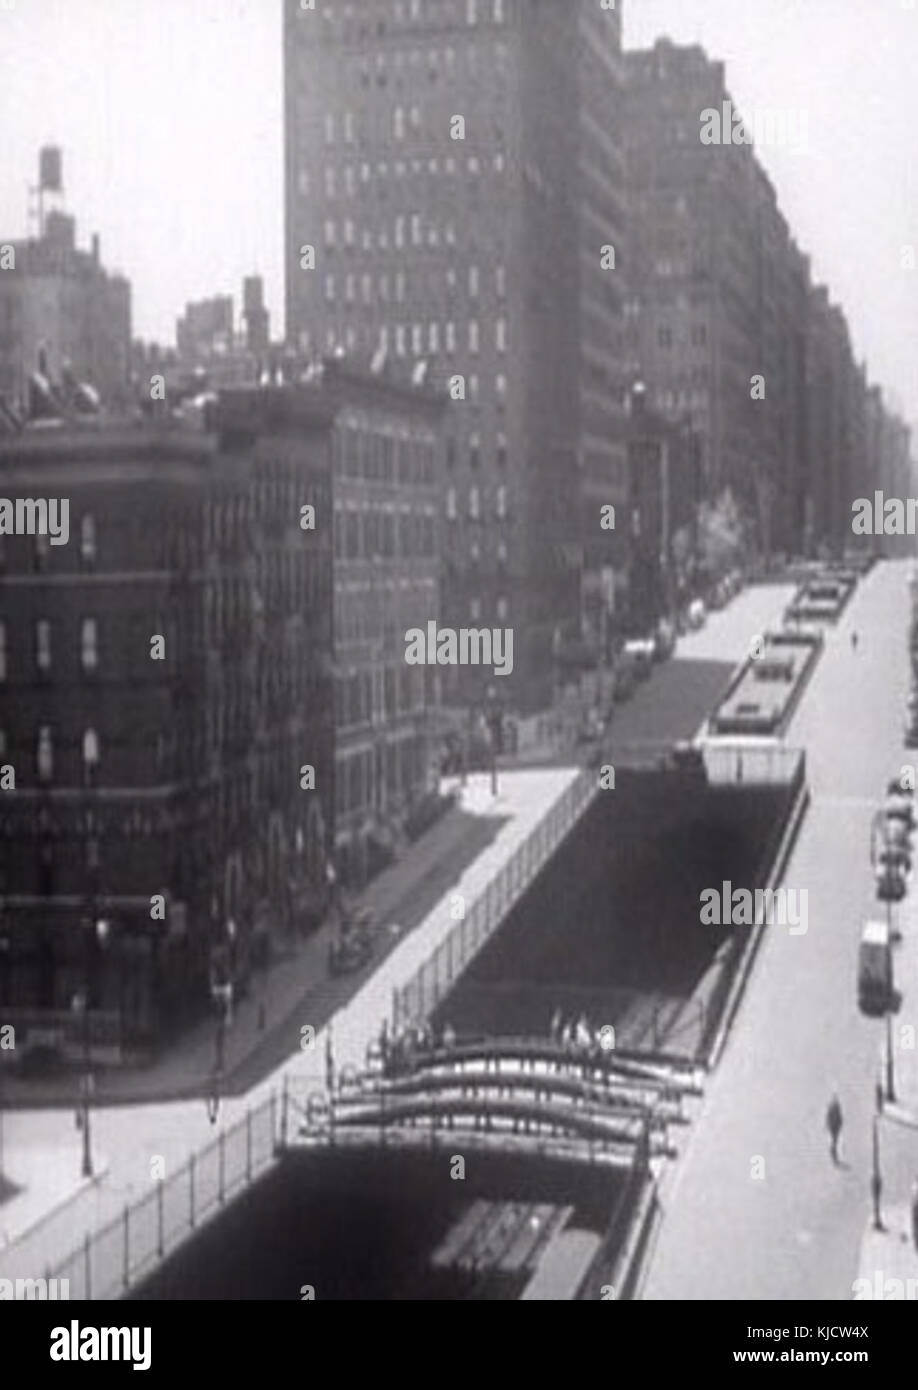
[(453, 174), (386, 460), (155, 723), (62, 315)]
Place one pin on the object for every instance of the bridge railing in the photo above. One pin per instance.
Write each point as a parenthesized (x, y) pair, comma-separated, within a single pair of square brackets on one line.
[(116, 1257), (420, 996)]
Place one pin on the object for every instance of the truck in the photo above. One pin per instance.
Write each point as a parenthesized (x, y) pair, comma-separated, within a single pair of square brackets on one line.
[(874, 969)]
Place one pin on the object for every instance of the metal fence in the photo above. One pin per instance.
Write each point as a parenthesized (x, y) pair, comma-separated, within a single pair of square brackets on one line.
[(420, 996), (118, 1256)]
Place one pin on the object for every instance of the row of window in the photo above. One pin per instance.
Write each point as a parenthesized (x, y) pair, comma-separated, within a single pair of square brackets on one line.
[(89, 646), (349, 21), (362, 453), (474, 504), (375, 534), (352, 174), (44, 751), (387, 289), (699, 335)]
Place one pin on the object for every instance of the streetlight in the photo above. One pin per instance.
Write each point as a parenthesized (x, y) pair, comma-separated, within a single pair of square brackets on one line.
[(876, 1181), (96, 932)]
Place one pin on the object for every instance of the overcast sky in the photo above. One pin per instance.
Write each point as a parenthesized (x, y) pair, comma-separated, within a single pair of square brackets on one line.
[(169, 112)]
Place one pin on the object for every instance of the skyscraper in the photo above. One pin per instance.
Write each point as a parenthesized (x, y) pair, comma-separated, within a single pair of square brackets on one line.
[(454, 184)]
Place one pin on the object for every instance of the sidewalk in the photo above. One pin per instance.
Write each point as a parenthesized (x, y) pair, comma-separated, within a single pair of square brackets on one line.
[(461, 855), (294, 989)]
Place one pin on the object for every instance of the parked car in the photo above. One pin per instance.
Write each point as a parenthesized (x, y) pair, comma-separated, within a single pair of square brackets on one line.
[(899, 808), (874, 969), (895, 858), (696, 613), (891, 885)]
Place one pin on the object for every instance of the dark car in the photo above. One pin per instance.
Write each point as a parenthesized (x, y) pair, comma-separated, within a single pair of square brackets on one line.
[(891, 886)]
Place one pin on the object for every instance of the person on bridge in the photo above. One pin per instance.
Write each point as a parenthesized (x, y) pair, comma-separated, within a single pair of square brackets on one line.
[(557, 1019), (834, 1121), (449, 1035)]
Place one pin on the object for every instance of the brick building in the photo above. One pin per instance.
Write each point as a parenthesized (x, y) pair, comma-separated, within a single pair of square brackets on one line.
[(145, 768), (386, 446), (62, 313)]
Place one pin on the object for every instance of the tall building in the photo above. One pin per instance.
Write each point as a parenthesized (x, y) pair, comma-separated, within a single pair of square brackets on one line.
[(716, 289), (454, 173), (384, 514), (61, 314), (165, 674)]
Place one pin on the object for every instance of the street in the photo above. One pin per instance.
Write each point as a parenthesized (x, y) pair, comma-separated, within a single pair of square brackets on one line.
[(754, 1209)]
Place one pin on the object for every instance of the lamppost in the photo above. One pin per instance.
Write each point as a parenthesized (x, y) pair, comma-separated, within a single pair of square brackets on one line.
[(876, 1181), (96, 932), (494, 718)]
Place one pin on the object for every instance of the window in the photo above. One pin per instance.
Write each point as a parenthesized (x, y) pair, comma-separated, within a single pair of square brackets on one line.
[(433, 338), (45, 754), (349, 285), (400, 231), (417, 343), (473, 388), (88, 538), (400, 287), (501, 451), (90, 748), (41, 551), (400, 340), (500, 278), (329, 181), (473, 335), (451, 510), (500, 386), (699, 334), (43, 644), (329, 289), (500, 335), (450, 337), (502, 501), (471, 11), (474, 503), (348, 232), (89, 644), (329, 233), (349, 127), (398, 123), (473, 282), (329, 128), (474, 451), (415, 229), (503, 609), (475, 610), (2, 651), (664, 337)]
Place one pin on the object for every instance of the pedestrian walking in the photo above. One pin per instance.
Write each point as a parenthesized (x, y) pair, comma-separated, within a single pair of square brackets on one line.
[(854, 640), (834, 1121)]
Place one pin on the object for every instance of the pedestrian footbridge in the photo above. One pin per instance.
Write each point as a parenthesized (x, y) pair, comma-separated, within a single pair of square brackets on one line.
[(528, 1095)]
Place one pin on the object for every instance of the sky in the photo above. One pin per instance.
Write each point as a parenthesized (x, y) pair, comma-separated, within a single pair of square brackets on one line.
[(170, 116)]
